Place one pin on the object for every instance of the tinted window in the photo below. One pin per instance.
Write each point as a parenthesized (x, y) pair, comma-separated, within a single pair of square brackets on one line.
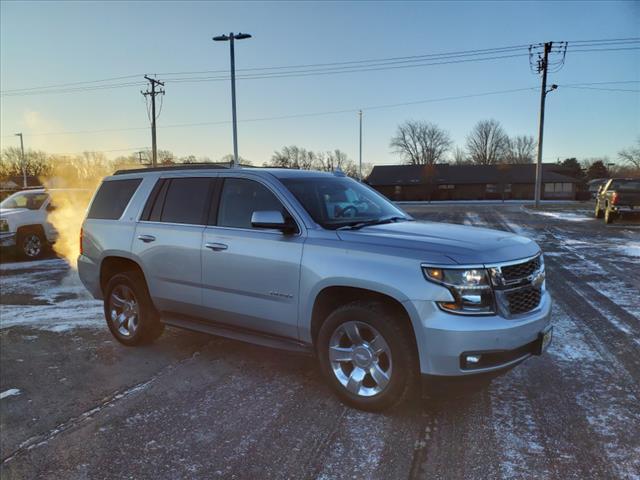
[(112, 198), (185, 201), (240, 198), (629, 186)]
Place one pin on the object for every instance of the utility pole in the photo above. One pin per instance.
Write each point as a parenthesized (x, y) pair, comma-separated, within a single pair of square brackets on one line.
[(153, 93), (231, 38), (23, 162), (541, 65), (360, 152)]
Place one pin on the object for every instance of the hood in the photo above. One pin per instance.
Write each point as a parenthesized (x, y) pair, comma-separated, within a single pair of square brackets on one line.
[(462, 244), (7, 212)]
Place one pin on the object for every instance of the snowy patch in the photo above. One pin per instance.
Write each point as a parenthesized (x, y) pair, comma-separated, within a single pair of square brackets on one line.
[(59, 302), (55, 262), (60, 317), (631, 249), (570, 217), (12, 392), (474, 219)]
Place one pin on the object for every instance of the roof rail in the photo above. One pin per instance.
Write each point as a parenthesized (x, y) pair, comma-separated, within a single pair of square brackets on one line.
[(182, 166)]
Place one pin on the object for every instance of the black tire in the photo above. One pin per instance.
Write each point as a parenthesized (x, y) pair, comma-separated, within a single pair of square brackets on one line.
[(401, 364), (598, 212), (146, 319), (31, 244), (609, 216)]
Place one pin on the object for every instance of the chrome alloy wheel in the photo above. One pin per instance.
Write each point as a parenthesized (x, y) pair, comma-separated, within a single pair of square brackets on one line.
[(32, 245), (123, 311), (360, 358)]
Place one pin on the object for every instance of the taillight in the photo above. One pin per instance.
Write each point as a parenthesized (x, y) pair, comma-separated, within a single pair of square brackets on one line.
[(81, 236), (614, 198)]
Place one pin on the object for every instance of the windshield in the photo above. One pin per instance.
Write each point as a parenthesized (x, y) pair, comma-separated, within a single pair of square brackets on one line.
[(340, 201), (29, 200)]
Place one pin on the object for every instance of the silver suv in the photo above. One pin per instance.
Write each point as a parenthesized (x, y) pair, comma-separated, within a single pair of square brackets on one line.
[(313, 262)]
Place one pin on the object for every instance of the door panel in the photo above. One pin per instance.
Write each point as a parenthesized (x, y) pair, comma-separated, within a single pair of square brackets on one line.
[(250, 276), (171, 264), (254, 281), (168, 241)]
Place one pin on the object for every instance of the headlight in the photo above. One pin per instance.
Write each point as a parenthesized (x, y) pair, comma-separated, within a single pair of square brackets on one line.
[(470, 288), (4, 225)]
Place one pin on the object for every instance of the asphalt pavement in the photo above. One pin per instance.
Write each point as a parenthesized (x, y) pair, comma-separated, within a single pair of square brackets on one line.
[(75, 404)]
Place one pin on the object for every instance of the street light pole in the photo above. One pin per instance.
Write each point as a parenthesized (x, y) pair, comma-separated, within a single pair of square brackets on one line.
[(231, 39), (360, 152), (24, 165)]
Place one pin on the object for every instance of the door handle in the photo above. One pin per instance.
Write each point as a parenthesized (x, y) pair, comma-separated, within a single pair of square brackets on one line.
[(216, 247), (146, 238)]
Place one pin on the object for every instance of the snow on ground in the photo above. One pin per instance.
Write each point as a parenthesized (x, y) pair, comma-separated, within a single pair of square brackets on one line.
[(631, 249), (46, 294), (36, 264), (473, 219), (10, 393), (566, 216)]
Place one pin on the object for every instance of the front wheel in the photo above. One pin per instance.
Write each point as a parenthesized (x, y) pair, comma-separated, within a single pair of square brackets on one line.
[(129, 311), (31, 245), (367, 356)]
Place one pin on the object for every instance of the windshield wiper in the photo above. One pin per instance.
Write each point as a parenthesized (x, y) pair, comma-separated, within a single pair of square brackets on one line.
[(368, 223)]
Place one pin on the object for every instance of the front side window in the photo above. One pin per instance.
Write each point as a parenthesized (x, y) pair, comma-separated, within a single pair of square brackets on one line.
[(334, 202), (31, 201), (240, 198)]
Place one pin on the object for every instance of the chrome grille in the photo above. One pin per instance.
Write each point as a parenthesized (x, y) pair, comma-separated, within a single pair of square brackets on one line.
[(524, 299), (520, 270)]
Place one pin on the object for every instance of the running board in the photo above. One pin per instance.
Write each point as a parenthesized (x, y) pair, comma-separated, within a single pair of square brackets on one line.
[(248, 336)]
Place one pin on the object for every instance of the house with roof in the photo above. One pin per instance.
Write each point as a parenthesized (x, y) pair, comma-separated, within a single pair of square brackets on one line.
[(471, 182)]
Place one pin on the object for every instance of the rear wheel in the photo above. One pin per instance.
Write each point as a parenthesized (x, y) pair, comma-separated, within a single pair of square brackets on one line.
[(598, 212), (367, 356), (129, 312), (609, 216), (31, 244)]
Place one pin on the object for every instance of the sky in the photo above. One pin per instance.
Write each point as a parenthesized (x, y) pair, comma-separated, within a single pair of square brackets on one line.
[(54, 42)]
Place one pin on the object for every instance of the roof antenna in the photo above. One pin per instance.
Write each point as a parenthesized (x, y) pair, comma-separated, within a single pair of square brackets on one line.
[(338, 172)]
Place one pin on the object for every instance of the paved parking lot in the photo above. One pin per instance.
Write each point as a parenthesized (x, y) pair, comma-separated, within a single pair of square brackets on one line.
[(76, 404)]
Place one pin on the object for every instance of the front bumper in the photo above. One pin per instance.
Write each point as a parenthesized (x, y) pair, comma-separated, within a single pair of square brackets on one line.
[(7, 239), (444, 340)]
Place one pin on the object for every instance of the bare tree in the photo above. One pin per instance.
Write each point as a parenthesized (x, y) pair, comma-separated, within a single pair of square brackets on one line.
[(460, 156), (522, 149), (487, 143), (333, 160), (631, 155), (420, 143), (37, 163), (293, 157)]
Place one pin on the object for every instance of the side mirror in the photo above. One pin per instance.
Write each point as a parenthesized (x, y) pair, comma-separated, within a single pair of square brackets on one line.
[(51, 207), (272, 219)]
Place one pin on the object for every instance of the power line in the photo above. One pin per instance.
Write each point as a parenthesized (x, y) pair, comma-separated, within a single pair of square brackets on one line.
[(446, 54), (390, 63), (602, 89)]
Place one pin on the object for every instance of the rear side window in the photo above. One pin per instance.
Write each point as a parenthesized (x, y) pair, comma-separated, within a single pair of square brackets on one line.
[(179, 200), (112, 198)]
